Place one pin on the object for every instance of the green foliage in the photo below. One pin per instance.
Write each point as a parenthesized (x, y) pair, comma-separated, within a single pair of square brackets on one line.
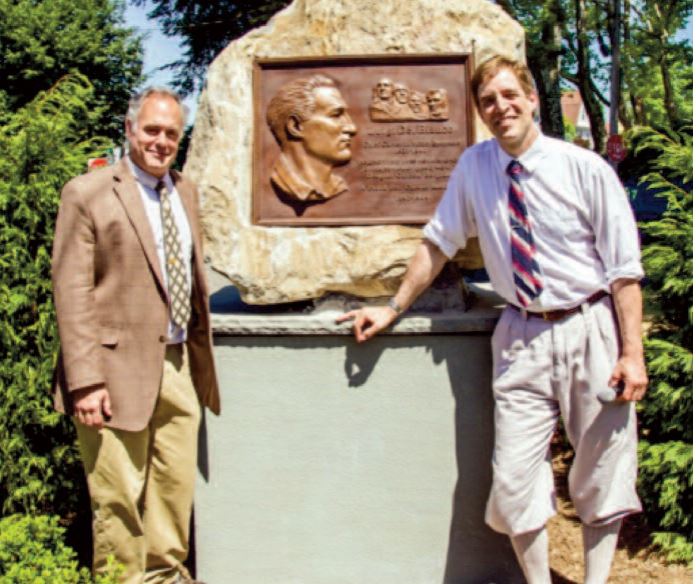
[(66, 68), (32, 552), (676, 548), (666, 414), (657, 63), (573, 39), (43, 144), (43, 40), (668, 256), (665, 487), (569, 130)]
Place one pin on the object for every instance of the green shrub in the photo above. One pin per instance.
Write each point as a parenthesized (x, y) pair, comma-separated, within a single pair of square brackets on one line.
[(666, 490), (666, 413), (32, 552), (43, 145)]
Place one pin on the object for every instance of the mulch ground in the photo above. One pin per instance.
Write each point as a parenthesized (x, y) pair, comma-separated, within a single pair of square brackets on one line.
[(635, 562)]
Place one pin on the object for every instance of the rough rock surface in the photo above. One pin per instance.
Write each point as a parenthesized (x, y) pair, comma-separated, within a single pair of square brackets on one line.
[(280, 264)]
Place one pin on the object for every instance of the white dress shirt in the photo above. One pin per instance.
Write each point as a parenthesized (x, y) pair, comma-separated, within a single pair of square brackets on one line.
[(151, 201), (583, 226)]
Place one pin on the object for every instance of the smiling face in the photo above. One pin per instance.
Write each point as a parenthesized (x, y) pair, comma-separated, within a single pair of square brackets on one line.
[(328, 131), (508, 111), (154, 138)]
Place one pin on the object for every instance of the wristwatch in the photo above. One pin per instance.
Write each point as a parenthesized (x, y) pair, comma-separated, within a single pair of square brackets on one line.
[(395, 306)]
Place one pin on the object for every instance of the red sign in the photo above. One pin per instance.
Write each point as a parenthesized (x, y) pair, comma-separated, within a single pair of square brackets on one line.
[(94, 163), (616, 151)]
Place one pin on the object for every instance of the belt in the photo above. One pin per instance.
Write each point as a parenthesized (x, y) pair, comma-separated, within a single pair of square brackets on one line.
[(552, 315)]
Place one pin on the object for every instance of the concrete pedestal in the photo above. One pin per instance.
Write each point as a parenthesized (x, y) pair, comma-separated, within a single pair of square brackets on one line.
[(338, 463)]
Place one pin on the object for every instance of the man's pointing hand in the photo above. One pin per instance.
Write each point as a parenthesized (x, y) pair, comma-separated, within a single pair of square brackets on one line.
[(369, 320)]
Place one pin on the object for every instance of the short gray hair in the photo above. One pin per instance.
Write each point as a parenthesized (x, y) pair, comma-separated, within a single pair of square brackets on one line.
[(136, 102)]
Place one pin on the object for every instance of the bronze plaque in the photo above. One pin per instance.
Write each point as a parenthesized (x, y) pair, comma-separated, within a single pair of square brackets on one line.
[(357, 140)]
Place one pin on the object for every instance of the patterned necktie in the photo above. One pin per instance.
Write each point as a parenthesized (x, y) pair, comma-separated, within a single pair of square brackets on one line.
[(179, 295), (525, 269)]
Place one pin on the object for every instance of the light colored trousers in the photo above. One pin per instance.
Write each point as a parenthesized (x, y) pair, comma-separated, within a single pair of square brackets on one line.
[(141, 483), (542, 370)]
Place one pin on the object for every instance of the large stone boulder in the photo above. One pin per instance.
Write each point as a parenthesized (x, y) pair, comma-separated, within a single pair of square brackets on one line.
[(282, 264)]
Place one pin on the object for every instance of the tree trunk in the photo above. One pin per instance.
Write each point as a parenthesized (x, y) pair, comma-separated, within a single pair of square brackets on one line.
[(614, 29), (548, 85), (545, 64), (639, 109), (626, 116), (544, 60), (584, 80), (670, 104)]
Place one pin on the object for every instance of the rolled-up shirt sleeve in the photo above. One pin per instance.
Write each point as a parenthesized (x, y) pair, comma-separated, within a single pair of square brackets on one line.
[(453, 221), (616, 233)]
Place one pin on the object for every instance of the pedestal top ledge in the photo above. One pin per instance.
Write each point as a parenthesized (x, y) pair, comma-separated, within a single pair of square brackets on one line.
[(230, 318)]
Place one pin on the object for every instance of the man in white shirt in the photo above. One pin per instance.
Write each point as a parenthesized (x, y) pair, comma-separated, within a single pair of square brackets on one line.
[(136, 360), (561, 247)]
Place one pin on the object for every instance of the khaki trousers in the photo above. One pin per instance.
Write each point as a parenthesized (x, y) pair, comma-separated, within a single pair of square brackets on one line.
[(141, 483), (543, 370)]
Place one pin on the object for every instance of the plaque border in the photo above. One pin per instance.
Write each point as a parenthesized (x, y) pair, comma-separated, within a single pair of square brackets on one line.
[(259, 64)]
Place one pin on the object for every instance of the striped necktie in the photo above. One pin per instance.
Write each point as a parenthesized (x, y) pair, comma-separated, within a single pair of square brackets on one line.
[(525, 269), (179, 294)]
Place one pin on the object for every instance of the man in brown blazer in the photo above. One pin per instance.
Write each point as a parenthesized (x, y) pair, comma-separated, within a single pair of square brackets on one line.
[(136, 358)]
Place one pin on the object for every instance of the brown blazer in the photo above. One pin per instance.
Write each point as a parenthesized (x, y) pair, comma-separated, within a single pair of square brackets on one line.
[(111, 301)]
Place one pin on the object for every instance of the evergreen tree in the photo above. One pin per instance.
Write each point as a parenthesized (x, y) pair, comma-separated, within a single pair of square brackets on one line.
[(67, 68), (43, 40), (44, 143), (666, 414)]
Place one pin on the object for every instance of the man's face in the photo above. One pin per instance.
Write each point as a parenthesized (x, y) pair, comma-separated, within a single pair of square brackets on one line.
[(401, 93), (508, 111), (415, 100), (434, 99), (384, 88), (154, 139), (327, 133)]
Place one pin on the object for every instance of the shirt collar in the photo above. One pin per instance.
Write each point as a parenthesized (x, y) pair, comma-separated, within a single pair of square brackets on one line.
[(530, 159), (146, 179), (288, 178)]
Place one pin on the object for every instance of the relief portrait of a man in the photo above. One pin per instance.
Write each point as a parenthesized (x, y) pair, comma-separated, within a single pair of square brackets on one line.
[(383, 106), (310, 121)]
